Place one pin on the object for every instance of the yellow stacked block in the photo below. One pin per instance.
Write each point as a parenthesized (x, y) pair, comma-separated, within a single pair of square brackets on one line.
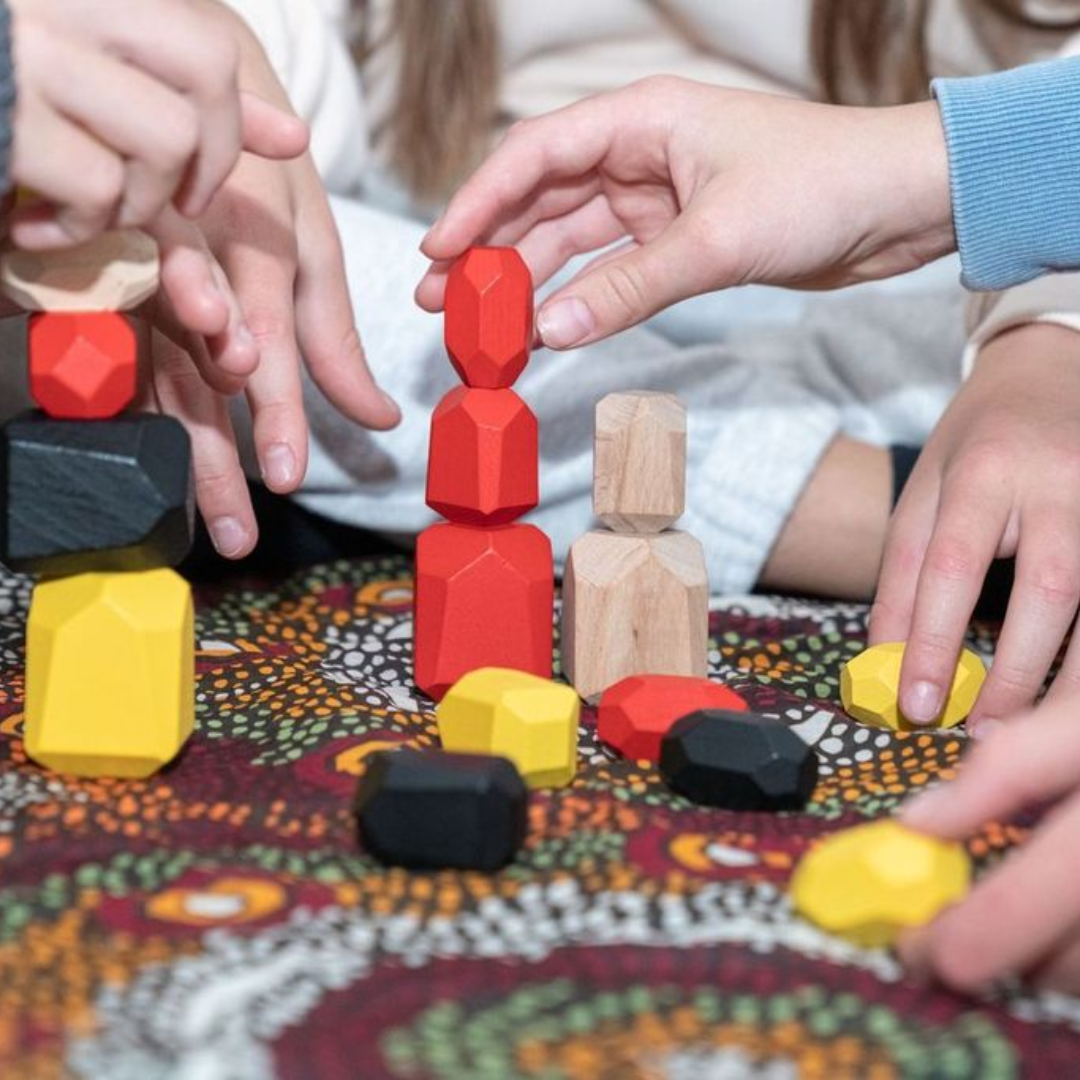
[(529, 720), (110, 673), (869, 883), (868, 688)]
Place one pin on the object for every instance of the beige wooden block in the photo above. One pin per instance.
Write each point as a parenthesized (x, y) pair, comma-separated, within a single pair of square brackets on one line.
[(639, 471), (116, 271), (633, 605)]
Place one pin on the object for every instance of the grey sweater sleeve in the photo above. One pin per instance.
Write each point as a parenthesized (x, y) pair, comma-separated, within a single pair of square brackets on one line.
[(7, 96)]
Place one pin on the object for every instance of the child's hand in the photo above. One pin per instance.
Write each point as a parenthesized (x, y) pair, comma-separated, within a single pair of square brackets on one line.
[(271, 228), (1023, 917), (125, 106), (999, 476), (708, 188)]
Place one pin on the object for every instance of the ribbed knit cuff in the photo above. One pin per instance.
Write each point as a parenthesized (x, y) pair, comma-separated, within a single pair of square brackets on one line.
[(7, 96), (1014, 160)]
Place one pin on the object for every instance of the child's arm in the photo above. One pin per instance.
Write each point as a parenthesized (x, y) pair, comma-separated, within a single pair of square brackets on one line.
[(709, 188), (999, 476), (1023, 917)]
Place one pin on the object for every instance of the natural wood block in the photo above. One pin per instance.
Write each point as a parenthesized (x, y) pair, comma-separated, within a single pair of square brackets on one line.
[(639, 471), (531, 721), (634, 605), (82, 364), (489, 317), (483, 461), (484, 598), (110, 673), (110, 495), (116, 271)]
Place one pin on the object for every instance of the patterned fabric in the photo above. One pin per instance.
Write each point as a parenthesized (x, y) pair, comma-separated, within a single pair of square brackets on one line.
[(220, 921)]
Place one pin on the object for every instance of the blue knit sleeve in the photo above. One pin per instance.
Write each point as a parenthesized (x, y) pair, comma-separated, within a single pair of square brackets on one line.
[(7, 96), (1014, 160)]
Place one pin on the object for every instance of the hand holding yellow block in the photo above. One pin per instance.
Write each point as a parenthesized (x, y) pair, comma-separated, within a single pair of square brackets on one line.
[(531, 721), (869, 883), (869, 684), (110, 673)]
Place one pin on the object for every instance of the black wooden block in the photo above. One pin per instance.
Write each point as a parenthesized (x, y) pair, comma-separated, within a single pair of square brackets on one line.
[(431, 810), (738, 761), (94, 495)]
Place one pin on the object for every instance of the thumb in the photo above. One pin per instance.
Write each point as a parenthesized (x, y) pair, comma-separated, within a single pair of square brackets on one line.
[(270, 131), (626, 287)]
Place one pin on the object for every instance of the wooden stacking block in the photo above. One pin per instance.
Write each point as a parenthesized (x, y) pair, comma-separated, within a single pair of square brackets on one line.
[(489, 317), (639, 471), (636, 713), (428, 810), (110, 673), (77, 497), (634, 605), (869, 688), (531, 721), (483, 461), (735, 761), (869, 883), (116, 271), (82, 364), (484, 598)]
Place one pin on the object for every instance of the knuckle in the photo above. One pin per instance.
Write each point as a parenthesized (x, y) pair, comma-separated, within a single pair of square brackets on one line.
[(984, 464), (627, 291), (951, 559), (1055, 583), (102, 185), (1014, 680), (270, 327)]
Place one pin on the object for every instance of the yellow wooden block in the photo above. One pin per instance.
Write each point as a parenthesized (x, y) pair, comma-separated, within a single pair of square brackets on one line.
[(110, 673), (869, 883), (531, 721), (868, 688)]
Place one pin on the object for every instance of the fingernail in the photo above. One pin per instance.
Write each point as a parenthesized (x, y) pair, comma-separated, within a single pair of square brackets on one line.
[(245, 336), (279, 466), (922, 703), (212, 294), (229, 536), (984, 726), (565, 323)]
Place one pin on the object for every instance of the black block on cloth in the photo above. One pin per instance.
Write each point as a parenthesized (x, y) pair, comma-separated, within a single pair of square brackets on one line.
[(738, 761), (430, 810), (83, 496)]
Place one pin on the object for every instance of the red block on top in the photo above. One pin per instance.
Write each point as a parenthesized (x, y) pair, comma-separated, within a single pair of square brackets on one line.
[(636, 713), (484, 456), (489, 317), (82, 364), (484, 598)]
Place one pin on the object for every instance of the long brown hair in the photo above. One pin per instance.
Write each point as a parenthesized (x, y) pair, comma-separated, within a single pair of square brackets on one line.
[(874, 52), (446, 101)]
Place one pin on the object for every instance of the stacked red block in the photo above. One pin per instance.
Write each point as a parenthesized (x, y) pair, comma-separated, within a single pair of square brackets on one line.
[(484, 582)]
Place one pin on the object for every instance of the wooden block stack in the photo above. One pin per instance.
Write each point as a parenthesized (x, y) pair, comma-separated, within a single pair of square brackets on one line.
[(636, 595), (101, 505), (484, 583)]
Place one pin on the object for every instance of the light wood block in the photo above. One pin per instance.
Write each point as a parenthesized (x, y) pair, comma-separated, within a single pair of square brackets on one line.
[(110, 673), (634, 605), (116, 271), (639, 471)]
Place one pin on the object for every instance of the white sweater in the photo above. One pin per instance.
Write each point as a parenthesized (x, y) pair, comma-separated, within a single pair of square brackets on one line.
[(770, 377)]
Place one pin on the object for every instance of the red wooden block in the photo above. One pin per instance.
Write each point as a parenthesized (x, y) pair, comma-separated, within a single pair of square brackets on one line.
[(484, 457), (484, 598), (636, 713), (489, 317), (82, 364)]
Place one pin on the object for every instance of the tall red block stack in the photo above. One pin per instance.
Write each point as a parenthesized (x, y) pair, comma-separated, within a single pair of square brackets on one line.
[(484, 582)]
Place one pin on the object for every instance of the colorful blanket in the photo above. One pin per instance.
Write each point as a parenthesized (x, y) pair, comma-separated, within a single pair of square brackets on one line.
[(221, 921)]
